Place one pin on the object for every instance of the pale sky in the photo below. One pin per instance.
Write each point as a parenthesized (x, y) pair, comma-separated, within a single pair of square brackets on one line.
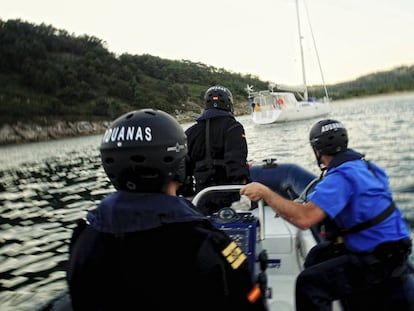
[(259, 37)]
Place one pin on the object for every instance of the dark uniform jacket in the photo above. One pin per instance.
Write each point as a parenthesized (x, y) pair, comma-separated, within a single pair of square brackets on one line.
[(228, 150), (155, 252)]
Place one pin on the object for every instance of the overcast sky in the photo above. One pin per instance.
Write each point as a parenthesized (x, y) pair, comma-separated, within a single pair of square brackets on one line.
[(260, 37)]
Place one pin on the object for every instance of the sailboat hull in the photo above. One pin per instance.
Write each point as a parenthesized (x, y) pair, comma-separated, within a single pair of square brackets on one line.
[(277, 107), (301, 112)]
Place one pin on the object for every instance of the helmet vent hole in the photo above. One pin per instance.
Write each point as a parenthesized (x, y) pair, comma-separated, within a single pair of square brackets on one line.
[(129, 116), (150, 112), (138, 158)]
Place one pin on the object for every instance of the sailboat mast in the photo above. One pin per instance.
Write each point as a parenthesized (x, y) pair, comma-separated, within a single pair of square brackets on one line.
[(317, 55), (305, 95)]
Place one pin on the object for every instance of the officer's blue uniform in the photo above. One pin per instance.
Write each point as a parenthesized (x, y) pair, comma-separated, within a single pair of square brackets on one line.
[(354, 191)]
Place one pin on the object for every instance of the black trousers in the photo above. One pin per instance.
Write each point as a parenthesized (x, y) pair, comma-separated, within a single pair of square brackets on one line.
[(361, 282)]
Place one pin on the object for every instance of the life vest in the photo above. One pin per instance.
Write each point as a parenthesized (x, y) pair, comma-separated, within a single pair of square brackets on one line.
[(330, 229)]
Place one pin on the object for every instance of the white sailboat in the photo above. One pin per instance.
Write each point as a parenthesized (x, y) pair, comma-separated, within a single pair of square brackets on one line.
[(280, 102)]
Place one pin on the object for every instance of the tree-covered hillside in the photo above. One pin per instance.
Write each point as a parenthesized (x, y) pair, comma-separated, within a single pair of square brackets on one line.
[(397, 80), (48, 74)]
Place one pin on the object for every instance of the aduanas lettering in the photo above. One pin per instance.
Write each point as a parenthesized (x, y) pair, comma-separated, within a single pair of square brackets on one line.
[(331, 126), (219, 88), (130, 133)]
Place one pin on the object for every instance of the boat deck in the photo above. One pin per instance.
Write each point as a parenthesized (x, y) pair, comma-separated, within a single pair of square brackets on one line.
[(286, 247), (281, 242)]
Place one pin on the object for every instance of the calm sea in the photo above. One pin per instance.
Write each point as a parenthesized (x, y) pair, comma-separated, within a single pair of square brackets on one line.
[(45, 187)]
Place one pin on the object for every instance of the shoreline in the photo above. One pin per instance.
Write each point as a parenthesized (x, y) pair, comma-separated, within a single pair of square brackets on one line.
[(22, 133)]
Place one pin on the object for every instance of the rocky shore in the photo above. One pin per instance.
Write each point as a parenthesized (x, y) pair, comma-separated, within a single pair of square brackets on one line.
[(29, 132), (26, 132)]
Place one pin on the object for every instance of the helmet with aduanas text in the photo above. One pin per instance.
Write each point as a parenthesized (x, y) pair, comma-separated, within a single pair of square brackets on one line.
[(329, 137), (143, 150)]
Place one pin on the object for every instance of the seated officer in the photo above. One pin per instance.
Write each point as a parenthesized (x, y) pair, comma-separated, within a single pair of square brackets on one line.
[(143, 247)]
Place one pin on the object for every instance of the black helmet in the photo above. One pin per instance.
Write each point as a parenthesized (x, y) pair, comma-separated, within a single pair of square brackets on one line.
[(143, 150), (328, 137), (218, 97)]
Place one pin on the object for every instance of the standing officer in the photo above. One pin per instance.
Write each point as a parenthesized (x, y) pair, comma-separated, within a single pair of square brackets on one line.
[(217, 151)]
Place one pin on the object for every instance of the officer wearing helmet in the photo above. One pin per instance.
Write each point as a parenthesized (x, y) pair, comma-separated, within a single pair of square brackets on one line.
[(143, 246), (368, 242), (217, 151)]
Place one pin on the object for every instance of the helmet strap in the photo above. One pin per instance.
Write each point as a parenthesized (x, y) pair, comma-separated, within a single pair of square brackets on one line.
[(318, 157)]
